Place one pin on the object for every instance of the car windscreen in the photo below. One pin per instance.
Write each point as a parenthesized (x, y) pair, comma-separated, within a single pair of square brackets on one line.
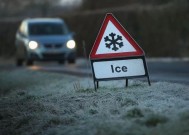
[(47, 29)]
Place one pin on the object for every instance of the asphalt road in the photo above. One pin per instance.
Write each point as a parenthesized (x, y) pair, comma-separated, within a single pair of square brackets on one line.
[(175, 71), (170, 70)]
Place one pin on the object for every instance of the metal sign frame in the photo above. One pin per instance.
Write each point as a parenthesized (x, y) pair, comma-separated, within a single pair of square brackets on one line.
[(96, 81), (138, 54)]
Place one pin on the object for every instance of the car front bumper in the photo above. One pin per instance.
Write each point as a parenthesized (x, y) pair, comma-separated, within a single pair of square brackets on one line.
[(48, 55)]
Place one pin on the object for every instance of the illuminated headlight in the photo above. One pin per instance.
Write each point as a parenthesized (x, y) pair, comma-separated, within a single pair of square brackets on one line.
[(70, 44), (33, 45)]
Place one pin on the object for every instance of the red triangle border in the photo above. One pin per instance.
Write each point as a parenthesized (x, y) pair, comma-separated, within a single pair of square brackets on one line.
[(110, 17)]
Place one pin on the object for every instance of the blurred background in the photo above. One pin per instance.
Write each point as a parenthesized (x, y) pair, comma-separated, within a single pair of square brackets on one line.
[(161, 27)]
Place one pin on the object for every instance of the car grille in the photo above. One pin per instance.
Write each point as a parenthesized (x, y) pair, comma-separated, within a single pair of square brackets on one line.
[(50, 46), (53, 56)]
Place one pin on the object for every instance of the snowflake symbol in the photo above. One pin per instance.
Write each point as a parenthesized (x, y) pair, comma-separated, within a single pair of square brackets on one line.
[(113, 40)]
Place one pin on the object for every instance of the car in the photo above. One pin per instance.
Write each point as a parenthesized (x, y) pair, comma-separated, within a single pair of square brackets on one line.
[(44, 39)]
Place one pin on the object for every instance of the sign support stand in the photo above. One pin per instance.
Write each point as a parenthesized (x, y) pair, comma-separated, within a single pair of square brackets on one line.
[(116, 55), (126, 82), (148, 78), (96, 81)]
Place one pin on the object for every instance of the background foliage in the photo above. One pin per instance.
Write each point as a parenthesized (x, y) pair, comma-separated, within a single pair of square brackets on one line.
[(160, 27)]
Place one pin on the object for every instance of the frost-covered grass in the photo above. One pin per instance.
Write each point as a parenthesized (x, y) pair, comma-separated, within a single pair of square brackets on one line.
[(45, 103)]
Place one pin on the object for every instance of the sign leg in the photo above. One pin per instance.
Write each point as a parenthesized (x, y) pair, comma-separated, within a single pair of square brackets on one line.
[(146, 69), (126, 82), (149, 83), (97, 83), (94, 85)]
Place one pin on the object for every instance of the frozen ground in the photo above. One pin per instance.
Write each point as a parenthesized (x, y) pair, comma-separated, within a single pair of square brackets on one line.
[(39, 103)]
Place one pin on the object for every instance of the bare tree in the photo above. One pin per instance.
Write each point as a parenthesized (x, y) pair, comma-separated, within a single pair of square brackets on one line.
[(99, 4), (43, 6)]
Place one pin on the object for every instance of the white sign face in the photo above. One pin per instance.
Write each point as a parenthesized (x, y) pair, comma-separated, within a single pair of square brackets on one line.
[(111, 29), (118, 68)]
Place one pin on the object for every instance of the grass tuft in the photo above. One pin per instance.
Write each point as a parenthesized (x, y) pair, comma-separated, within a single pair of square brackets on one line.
[(21, 93), (134, 113), (154, 120), (128, 102), (114, 111), (87, 90), (184, 116), (24, 121), (93, 111)]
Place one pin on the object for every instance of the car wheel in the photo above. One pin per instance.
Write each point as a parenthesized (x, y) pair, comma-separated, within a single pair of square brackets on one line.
[(19, 62), (29, 62), (71, 61)]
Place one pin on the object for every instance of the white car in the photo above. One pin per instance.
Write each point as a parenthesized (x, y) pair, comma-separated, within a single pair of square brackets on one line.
[(44, 39)]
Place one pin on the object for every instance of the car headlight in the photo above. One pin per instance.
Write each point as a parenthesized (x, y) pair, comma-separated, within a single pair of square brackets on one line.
[(71, 44), (33, 45)]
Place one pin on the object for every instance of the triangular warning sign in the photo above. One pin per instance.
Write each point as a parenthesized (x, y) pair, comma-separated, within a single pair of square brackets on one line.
[(114, 41)]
